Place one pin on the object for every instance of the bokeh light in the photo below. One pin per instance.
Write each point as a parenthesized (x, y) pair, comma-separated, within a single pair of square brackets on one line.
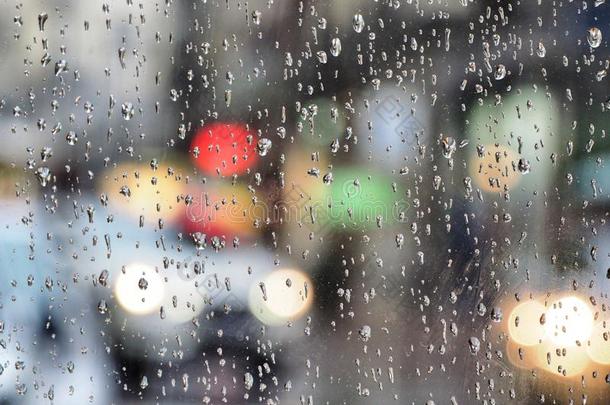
[(228, 148), (524, 325), (139, 289), (283, 295), (569, 321)]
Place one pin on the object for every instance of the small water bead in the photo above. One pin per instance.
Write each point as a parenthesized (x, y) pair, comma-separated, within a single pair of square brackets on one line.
[(335, 47), (122, 52), (365, 332), (127, 110), (263, 146), (256, 17), (500, 72), (125, 190), (71, 138), (44, 175), (144, 383), (541, 50), (449, 146), (61, 66), (524, 166), (474, 344), (322, 57)]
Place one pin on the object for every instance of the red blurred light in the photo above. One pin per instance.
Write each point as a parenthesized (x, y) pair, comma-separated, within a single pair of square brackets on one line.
[(224, 147)]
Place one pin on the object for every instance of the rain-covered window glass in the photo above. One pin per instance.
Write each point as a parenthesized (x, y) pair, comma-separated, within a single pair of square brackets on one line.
[(304, 202)]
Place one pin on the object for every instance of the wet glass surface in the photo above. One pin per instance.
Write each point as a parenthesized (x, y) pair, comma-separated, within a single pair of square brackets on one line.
[(304, 202)]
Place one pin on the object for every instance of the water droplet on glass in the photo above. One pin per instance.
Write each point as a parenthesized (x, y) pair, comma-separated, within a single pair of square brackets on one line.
[(358, 23), (335, 47), (263, 146), (102, 307), (42, 19), (248, 381), (594, 37), (475, 345), (125, 190), (144, 383), (334, 146), (365, 332), (60, 67), (400, 240), (449, 146), (122, 53), (524, 166), (199, 240), (127, 111), (322, 57), (256, 17), (496, 314), (71, 138), (500, 72), (541, 50), (44, 175)]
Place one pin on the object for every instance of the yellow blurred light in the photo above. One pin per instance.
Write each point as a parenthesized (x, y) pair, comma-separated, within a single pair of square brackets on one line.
[(495, 170), (599, 343), (524, 325), (521, 356), (225, 209), (153, 193), (298, 183), (569, 321), (13, 183), (561, 360), (282, 296), (136, 296)]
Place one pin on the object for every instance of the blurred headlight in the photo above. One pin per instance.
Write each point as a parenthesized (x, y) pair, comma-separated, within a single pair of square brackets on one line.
[(524, 324), (564, 361), (283, 296), (138, 189), (569, 321), (139, 289), (599, 343)]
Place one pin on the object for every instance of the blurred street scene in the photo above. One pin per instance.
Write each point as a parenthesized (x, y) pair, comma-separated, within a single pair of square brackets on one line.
[(304, 202)]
